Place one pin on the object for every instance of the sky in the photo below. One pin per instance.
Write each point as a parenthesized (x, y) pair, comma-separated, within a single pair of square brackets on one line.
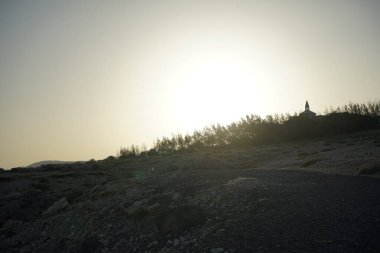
[(80, 79)]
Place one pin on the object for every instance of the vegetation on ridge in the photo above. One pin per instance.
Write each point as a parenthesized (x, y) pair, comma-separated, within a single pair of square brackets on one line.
[(253, 130)]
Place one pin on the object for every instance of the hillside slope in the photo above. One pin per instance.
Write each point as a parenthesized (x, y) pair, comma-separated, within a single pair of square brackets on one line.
[(38, 164), (271, 198)]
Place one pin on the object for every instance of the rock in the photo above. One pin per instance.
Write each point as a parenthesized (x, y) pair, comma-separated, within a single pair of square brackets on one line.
[(153, 207), (176, 243), (229, 224), (136, 206), (56, 207), (217, 250), (91, 244), (13, 195), (13, 226), (220, 231), (122, 243), (180, 218), (152, 244), (176, 196)]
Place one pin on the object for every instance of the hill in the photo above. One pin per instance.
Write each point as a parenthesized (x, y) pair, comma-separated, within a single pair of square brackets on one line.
[(38, 164), (316, 195)]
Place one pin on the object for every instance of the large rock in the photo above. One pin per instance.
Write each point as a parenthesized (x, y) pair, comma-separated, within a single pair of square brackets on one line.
[(91, 244), (180, 218), (56, 207), (216, 250)]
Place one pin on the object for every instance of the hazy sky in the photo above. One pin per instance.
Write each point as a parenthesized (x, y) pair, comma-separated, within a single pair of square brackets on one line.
[(79, 79)]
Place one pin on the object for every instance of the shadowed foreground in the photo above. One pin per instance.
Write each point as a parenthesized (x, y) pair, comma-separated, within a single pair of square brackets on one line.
[(193, 211), (200, 206)]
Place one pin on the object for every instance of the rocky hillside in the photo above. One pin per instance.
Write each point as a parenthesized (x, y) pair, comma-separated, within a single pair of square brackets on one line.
[(41, 163), (309, 196)]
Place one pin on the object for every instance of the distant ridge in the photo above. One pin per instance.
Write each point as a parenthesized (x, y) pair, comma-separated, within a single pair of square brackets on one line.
[(38, 164)]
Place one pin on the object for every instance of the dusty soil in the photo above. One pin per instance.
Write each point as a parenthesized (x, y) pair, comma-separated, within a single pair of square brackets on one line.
[(310, 196)]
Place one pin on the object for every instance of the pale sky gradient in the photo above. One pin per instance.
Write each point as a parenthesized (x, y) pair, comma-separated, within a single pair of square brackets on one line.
[(79, 79)]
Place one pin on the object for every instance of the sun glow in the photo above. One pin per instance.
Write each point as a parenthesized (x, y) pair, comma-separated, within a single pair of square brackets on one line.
[(216, 90)]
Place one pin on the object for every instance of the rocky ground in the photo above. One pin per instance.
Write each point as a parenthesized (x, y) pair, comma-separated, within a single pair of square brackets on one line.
[(308, 196)]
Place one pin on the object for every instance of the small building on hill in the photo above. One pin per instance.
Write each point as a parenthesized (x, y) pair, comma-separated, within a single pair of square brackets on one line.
[(307, 113)]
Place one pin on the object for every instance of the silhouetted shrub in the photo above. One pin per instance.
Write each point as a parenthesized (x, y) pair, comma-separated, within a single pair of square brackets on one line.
[(254, 130), (370, 169), (110, 158)]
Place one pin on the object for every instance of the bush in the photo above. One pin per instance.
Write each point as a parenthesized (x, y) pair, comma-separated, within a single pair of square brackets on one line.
[(254, 130), (370, 170)]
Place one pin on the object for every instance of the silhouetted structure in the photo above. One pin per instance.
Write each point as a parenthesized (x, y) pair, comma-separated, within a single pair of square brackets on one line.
[(307, 113)]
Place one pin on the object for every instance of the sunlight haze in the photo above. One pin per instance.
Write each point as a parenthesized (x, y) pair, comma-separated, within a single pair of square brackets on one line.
[(80, 79)]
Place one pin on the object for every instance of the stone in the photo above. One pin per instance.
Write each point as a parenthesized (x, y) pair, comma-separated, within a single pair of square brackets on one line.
[(216, 250), (152, 244), (176, 196), (91, 244), (154, 207), (56, 207), (136, 206), (13, 195), (176, 243)]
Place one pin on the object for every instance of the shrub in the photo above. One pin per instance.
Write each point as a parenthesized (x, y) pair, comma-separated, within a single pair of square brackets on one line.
[(370, 170), (254, 130)]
